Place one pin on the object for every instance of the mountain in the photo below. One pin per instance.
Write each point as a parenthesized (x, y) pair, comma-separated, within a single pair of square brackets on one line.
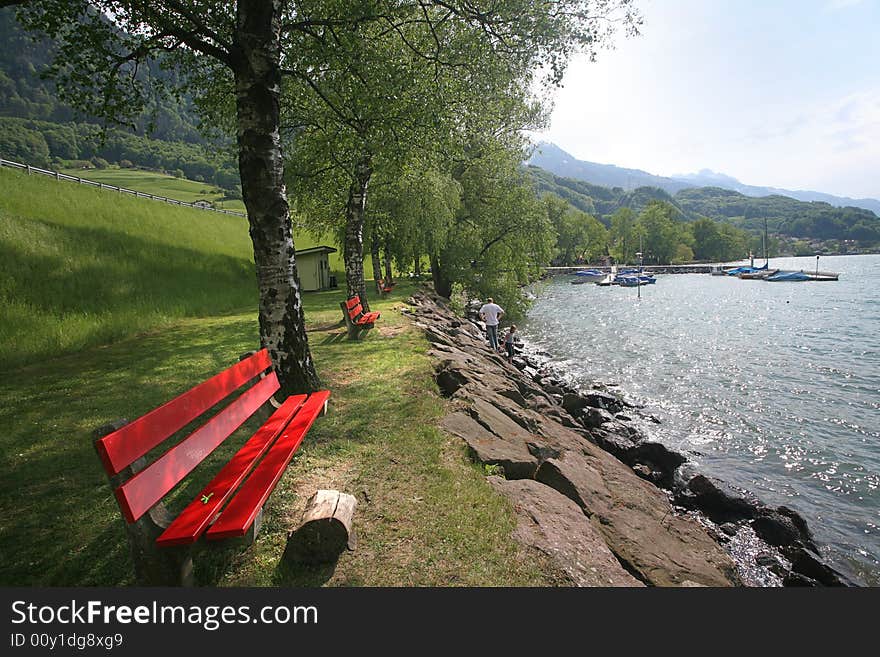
[(552, 158), (709, 178)]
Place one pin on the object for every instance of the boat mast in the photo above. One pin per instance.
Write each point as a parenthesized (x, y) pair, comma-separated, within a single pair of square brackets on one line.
[(766, 245)]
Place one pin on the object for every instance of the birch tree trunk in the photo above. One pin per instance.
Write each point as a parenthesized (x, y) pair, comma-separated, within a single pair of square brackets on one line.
[(256, 66), (353, 249)]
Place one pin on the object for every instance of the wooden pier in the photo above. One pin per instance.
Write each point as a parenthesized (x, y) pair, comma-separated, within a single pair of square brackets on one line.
[(648, 269)]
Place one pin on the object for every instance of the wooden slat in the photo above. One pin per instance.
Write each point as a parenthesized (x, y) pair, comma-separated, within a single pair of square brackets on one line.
[(141, 492), (122, 447), (195, 518), (354, 301), (239, 515)]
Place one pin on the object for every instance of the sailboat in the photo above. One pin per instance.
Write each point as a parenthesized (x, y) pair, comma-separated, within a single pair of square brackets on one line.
[(759, 273)]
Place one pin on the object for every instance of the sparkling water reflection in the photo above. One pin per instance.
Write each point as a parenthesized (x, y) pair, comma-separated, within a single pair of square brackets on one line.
[(774, 387)]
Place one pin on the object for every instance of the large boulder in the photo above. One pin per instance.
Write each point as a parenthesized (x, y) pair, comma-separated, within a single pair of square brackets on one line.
[(807, 563), (780, 529), (720, 501), (554, 525), (603, 400), (637, 522), (512, 454)]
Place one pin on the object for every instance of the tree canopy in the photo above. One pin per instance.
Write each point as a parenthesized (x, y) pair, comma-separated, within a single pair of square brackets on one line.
[(348, 74)]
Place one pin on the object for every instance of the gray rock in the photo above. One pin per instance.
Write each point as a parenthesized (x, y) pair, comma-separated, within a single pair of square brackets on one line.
[(638, 524), (450, 381), (486, 447), (573, 403), (776, 529), (765, 559), (552, 524), (592, 418), (598, 399), (722, 503), (728, 528), (796, 579), (643, 471), (809, 564)]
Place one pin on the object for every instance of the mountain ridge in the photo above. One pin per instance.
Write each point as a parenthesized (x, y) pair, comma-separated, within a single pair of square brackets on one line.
[(553, 158)]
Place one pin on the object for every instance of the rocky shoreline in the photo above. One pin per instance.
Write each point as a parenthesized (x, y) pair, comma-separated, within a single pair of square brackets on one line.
[(609, 506)]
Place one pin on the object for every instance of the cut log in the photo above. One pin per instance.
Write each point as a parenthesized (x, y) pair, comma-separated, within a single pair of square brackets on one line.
[(325, 530)]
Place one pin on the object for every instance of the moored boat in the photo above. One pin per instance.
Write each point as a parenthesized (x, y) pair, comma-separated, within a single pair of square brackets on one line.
[(757, 275), (788, 276), (588, 276)]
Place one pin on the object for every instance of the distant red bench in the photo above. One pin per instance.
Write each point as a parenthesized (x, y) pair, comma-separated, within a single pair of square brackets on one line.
[(356, 320), (231, 504), (385, 288)]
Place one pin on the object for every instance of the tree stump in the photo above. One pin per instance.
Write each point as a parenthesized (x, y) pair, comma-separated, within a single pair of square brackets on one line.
[(325, 530)]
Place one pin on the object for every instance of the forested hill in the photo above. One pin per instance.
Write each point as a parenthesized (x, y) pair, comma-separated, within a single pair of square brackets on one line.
[(24, 94), (785, 216), (39, 129)]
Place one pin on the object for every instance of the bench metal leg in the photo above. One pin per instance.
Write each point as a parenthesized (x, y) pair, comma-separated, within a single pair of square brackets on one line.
[(153, 566)]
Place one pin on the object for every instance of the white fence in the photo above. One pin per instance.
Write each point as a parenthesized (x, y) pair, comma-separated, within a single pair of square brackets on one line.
[(82, 181)]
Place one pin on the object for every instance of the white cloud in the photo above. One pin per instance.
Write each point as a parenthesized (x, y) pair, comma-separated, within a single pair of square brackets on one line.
[(697, 91)]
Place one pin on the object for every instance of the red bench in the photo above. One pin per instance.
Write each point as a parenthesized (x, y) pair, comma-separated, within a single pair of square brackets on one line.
[(230, 505), (355, 318), (385, 287)]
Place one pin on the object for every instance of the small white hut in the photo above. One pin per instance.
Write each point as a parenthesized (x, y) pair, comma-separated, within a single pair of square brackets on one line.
[(314, 268)]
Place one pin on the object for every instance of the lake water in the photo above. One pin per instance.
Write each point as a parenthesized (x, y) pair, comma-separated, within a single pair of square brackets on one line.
[(773, 387)]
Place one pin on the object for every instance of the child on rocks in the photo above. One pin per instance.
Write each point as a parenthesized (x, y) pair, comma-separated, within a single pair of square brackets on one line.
[(509, 340)]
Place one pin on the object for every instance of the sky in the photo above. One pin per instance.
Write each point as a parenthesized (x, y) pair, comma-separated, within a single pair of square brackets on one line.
[(779, 93)]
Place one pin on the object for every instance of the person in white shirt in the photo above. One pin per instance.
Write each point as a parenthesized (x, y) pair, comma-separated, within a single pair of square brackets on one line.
[(491, 313)]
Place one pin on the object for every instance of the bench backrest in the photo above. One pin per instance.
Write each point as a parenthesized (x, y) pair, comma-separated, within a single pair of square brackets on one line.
[(123, 447), (354, 306)]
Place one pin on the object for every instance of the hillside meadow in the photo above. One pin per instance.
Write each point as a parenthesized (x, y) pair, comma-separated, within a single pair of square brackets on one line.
[(159, 184), (81, 266)]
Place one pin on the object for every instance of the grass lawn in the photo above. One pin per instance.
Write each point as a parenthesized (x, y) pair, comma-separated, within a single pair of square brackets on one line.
[(426, 516)]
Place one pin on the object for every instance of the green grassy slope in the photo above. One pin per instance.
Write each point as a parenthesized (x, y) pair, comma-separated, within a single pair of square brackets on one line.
[(81, 266)]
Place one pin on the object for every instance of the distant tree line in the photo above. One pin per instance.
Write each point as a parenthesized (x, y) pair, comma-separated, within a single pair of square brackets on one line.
[(59, 145), (657, 232)]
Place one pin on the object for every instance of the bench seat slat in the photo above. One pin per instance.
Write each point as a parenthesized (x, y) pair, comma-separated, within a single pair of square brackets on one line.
[(137, 495), (122, 447), (354, 301), (239, 515), (195, 518)]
